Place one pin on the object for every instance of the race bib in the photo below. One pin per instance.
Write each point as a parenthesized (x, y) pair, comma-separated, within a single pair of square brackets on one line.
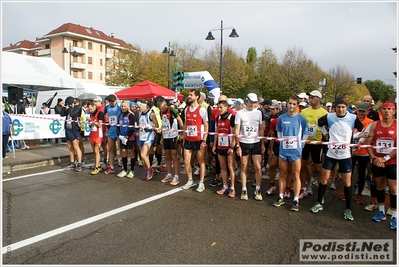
[(112, 120), (223, 140), (386, 144), (192, 131), (291, 143), (251, 130), (312, 130), (93, 128), (69, 123), (339, 149)]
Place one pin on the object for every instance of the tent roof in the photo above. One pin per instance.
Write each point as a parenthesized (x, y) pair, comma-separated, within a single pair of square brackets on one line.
[(34, 73), (146, 90)]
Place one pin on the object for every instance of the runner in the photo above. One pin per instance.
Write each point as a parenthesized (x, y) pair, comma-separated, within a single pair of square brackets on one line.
[(312, 114), (248, 124), (126, 134), (291, 127), (171, 122), (383, 136), (224, 147), (340, 126), (196, 126), (113, 110), (96, 134)]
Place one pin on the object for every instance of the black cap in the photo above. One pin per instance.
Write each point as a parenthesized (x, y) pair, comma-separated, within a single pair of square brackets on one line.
[(339, 101), (266, 102), (59, 100)]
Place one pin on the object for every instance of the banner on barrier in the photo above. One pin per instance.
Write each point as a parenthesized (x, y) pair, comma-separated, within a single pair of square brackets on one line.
[(40, 127)]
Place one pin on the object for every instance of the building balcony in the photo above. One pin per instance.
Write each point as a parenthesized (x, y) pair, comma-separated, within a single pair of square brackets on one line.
[(79, 50), (44, 52), (78, 65)]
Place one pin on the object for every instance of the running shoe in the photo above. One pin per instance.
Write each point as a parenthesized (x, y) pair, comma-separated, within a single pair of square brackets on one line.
[(316, 208), (359, 199), (223, 191), (232, 192), (122, 173), (96, 171), (83, 164), (389, 211), (130, 175), (189, 184), (371, 207), (175, 181), (303, 194), (271, 189), (287, 193), (332, 186), (78, 167), (295, 206), (393, 223), (309, 190), (215, 182), (70, 166), (196, 170), (348, 215), (160, 169), (342, 197), (244, 195), (140, 163), (380, 216), (279, 202), (201, 187), (258, 195), (183, 171), (150, 173), (109, 170), (168, 178)]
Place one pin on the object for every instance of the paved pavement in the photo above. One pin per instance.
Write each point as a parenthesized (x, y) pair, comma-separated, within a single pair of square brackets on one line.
[(40, 154)]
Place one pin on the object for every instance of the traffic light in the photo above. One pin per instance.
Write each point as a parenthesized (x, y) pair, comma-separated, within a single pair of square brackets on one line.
[(359, 80), (180, 80), (175, 77)]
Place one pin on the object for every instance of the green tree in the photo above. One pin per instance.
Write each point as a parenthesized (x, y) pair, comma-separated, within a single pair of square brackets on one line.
[(379, 90), (124, 69)]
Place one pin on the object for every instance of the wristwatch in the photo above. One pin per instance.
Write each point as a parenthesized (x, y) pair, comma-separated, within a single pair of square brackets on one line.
[(387, 157), (237, 146)]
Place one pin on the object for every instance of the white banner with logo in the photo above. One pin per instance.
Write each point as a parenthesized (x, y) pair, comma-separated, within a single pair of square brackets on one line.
[(28, 127)]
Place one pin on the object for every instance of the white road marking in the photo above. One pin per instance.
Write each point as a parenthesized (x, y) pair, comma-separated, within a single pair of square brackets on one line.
[(35, 174), (72, 226)]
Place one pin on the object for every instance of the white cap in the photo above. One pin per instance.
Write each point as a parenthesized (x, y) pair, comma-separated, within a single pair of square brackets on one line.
[(328, 104), (252, 97), (203, 95), (239, 101), (315, 93), (230, 102), (303, 95)]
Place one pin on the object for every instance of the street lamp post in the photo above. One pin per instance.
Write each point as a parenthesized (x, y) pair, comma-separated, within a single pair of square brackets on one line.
[(74, 54), (233, 34), (170, 54)]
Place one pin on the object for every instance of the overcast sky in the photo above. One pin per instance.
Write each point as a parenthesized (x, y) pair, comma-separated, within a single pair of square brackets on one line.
[(356, 35)]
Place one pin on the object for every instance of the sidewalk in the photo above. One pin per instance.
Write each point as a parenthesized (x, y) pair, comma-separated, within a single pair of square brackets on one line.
[(41, 154)]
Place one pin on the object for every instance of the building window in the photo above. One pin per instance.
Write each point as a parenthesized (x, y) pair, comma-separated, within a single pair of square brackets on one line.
[(101, 61), (47, 46), (101, 48), (90, 45), (90, 75), (90, 60), (101, 76)]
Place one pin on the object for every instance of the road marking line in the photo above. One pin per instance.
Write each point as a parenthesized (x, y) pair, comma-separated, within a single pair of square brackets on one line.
[(72, 226), (35, 174)]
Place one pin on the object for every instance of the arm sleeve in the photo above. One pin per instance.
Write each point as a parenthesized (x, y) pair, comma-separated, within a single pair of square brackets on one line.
[(322, 121), (131, 123)]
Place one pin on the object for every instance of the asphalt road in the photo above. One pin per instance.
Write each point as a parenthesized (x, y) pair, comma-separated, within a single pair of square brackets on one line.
[(66, 217)]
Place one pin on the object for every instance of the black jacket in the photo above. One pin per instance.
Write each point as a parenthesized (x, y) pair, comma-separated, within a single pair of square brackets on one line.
[(72, 113)]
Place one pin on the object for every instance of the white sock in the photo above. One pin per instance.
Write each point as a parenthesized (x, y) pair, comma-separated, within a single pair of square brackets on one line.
[(382, 208), (281, 195), (244, 188)]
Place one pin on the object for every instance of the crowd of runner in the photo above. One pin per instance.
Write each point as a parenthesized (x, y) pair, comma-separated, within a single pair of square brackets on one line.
[(292, 140)]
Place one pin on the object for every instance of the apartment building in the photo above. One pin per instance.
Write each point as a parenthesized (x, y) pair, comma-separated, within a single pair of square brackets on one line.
[(83, 52)]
